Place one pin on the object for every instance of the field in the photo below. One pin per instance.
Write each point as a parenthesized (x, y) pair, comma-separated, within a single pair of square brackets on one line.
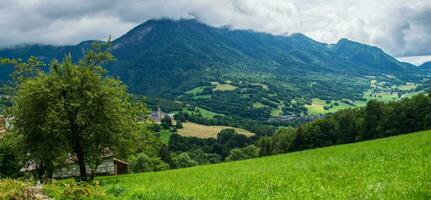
[(202, 131), (381, 96), (223, 87), (385, 94), (317, 106), (205, 113), (165, 135), (391, 168)]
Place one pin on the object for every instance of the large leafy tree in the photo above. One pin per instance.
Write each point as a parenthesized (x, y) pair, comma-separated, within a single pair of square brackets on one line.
[(72, 108)]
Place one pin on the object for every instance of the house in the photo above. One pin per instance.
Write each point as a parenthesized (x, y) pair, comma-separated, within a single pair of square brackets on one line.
[(158, 115), (109, 166)]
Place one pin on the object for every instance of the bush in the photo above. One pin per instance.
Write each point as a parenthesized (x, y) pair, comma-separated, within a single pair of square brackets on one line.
[(179, 125), (183, 160), (13, 189), (143, 163), (75, 191), (248, 152)]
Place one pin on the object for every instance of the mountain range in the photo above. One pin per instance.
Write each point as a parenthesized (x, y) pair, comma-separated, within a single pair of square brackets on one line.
[(228, 71)]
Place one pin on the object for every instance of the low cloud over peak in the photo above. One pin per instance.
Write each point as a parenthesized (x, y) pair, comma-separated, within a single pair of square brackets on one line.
[(400, 27)]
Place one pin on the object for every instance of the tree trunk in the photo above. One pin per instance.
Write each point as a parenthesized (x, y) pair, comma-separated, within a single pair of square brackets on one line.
[(81, 163), (78, 149)]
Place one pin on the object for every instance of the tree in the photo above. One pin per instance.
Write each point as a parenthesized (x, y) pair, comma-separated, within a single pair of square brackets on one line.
[(72, 107), (166, 122), (373, 114), (143, 163), (179, 125), (248, 152), (183, 160)]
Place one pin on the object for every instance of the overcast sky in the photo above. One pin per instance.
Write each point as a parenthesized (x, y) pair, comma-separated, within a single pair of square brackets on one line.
[(400, 27)]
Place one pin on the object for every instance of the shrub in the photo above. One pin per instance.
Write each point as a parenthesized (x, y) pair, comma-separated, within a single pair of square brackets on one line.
[(248, 152), (13, 189), (143, 163), (74, 191), (183, 160)]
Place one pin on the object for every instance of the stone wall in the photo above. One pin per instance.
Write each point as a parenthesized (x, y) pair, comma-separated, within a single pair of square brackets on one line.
[(107, 167)]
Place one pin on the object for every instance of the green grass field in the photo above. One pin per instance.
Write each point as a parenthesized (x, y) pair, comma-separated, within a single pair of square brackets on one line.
[(165, 135), (317, 106), (204, 112), (391, 168)]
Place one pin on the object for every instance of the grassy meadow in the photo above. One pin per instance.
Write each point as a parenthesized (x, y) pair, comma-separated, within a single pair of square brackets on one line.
[(390, 168), (317, 106)]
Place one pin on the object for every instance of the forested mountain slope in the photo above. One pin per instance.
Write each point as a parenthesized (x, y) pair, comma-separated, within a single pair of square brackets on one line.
[(237, 71)]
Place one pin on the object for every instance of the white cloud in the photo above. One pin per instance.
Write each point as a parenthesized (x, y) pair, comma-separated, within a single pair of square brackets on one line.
[(400, 27), (415, 60)]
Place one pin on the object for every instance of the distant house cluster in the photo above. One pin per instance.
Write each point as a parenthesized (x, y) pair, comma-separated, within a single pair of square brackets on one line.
[(294, 118), (158, 115)]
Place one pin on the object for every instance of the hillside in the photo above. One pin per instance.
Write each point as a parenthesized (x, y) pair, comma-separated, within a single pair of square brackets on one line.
[(390, 168), (238, 73), (426, 66)]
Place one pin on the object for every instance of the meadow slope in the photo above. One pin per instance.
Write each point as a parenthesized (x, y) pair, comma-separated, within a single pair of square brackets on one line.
[(391, 168)]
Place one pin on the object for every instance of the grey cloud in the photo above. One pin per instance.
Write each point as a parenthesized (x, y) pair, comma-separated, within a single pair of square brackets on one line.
[(399, 27)]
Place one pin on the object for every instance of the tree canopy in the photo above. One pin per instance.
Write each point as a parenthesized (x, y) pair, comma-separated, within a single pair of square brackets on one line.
[(71, 109)]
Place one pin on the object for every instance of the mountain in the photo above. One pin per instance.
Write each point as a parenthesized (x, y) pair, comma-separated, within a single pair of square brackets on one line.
[(426, 65), (236, 72)]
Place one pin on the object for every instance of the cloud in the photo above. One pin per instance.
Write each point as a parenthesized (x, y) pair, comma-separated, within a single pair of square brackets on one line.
[(400, 27)]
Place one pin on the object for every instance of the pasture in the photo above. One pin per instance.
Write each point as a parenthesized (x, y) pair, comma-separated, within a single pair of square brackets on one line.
[(390, 168), (203, 131)]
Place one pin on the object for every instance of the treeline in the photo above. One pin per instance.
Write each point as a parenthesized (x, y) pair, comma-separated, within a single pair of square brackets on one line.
[(375, 120), (191, 151)]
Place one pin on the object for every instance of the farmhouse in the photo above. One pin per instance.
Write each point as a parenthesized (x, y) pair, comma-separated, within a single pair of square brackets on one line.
[(109, 166)]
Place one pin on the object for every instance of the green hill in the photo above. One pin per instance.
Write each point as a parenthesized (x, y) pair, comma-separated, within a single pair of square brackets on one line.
[(391, 168)]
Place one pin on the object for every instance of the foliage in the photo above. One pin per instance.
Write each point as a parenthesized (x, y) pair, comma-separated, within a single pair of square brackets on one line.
[(203, 158), (10, 158), (281, 142), (179, 125), (248, 152), (14, 189), (166, 122), (226, 140), (74, 191), (143, 163), (182, 160), (72, 108)]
